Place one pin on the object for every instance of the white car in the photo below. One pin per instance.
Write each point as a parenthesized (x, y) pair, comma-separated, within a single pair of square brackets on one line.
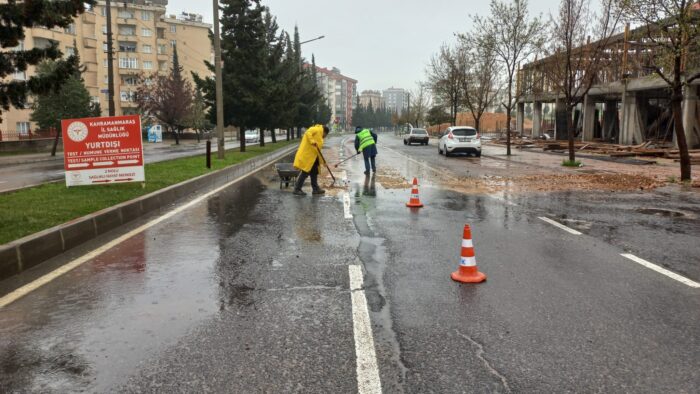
[(252, 136), (460, 139)]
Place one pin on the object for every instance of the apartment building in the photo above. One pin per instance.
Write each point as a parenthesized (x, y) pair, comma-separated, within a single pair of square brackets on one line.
[(143, 38), (340, 93), (396, 99), (371, 96)]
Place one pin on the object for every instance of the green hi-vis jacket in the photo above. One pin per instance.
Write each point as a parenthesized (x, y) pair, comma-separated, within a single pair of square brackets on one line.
[(365, 137)]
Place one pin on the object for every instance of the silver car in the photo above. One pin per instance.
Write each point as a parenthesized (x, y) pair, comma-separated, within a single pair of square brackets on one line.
[(460, 139)]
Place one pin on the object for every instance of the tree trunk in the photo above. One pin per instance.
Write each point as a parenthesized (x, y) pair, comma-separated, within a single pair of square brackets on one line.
[(289, 133), (274, 137), (298, 131), (177, 136), (262, 137), (477, 123), (570, 134), (676, 106), (55, 143), (241, 138), (198, 137), (508, 109)]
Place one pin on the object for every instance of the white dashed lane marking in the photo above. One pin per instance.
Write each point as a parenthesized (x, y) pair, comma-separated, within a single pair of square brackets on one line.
[(367, 369), (661, 270), (559, 225)]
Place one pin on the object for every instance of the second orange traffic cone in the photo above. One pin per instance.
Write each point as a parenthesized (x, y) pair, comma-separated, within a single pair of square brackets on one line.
[(468, 271), (414, 202)]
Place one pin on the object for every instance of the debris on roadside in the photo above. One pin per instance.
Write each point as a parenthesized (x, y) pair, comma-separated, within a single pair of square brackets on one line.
[(646, 149)]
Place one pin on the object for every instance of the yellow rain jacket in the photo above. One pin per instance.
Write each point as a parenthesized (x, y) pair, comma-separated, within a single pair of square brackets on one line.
[(307, 153)]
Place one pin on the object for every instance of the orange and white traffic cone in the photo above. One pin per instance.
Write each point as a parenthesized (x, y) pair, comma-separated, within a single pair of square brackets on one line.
[(468, 272), (414, 202)]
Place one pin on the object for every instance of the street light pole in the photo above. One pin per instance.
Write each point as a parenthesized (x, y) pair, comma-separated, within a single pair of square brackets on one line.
[(313, 39), (110, 60), (219, 85)]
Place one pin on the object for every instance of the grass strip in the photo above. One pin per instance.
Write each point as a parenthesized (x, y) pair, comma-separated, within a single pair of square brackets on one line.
[(34, 209)]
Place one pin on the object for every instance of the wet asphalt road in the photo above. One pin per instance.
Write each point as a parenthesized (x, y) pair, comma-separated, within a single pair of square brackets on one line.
[(248, 291)]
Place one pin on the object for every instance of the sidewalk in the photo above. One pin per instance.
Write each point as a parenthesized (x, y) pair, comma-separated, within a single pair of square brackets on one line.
[(148, 149), (659, 168)]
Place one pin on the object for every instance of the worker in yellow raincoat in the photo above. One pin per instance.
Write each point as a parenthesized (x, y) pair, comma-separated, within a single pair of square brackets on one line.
[(308, 159)]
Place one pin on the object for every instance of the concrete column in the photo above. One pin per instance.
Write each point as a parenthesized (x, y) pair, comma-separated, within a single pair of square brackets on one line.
[(588, 118), (630, 134), (520, 118), (610, 121), (560, 121), (691, 116), (536, 119)]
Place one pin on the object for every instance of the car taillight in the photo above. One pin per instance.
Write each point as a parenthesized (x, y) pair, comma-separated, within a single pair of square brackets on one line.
[(450, 136)]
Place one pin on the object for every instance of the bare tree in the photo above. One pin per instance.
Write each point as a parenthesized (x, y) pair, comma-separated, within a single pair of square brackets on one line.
[(671, 33), (573, 61), (517, 37), (481, 85), (420, 103), (167, 98), (446, 72)]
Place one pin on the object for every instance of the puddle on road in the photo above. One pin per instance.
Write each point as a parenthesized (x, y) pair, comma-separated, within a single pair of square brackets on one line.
[(666, 213)]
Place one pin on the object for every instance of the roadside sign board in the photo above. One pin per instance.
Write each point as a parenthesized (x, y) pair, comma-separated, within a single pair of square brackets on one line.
[(103, 150)]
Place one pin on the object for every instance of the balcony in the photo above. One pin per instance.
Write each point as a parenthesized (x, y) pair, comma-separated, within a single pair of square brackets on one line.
[(90, 42), (90, 78), (89, 17), (40, 32)]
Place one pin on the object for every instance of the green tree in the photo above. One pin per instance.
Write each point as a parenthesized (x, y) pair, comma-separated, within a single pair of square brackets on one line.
[(17, 16), (70, 101), (437, 115)]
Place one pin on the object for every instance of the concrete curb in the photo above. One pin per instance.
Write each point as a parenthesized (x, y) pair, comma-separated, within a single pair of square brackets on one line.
[(24, 253)]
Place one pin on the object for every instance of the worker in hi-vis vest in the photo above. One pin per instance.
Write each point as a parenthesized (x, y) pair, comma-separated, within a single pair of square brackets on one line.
[(366, 142)]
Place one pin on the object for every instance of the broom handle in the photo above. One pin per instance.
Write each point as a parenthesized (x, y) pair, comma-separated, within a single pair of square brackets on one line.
[(326, 163)]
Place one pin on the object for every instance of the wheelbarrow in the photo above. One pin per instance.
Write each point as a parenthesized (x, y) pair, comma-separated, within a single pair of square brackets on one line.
[(287, 173)]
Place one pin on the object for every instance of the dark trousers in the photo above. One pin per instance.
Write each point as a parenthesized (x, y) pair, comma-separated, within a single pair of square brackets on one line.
[(303, 175), (369, 159)]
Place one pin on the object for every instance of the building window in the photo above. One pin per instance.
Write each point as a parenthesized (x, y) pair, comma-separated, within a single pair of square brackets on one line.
[(127, 30), (127, 96), (161, 32), (128, 62), (104, 29), (146, 32), (106, 79), (126, 14), (103, 11), (173, 43), (23, 128), (173, 29), (104, 47), (105, 63), (163, 66), (19, 76), (70, 29), (162, 49), (146, 48), (127, 46), (131, 81), (147, 65), (145, 15), (70, 51)]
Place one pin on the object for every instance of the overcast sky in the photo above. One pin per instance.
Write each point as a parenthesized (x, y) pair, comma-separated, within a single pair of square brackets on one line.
[(381, 43)]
